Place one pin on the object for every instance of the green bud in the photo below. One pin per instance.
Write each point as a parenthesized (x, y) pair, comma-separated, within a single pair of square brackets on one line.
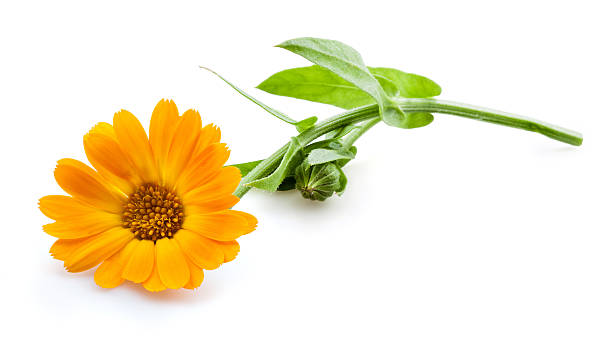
[(320, 181)]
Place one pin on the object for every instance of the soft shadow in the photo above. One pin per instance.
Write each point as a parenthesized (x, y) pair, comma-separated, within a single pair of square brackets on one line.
[(169, 295), (549, 149), (205, 292)]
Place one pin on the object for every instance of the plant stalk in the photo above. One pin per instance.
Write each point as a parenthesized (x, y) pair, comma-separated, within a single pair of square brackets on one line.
[(370, 112), (354, 135)]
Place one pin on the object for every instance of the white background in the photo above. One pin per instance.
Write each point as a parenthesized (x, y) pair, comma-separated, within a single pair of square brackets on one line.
[(458, 232)]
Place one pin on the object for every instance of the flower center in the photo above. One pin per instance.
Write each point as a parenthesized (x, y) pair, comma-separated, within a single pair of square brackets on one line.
[(153, 212)]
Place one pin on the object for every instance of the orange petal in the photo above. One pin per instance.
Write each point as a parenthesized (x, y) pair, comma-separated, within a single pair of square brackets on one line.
[(61, 206), (223, 184), (203, 168), (230, 250), (207, 205), (248, 217), (171, 264), (183, 143), (108, 274), (84, 184), (140, 264), (83, 226), (161, 130), (135, 144), (95, 250), (209, 134), (63, 248), (104, 153), (224, 225), (196, 276), (200, 250), (154, 283)]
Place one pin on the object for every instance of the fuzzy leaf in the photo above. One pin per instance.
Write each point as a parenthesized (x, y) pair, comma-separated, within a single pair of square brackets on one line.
[(306, 124), (300, 126), (271, 182), (320, 156), (319, 84), (246, 167), (409, 85), (341, 59)]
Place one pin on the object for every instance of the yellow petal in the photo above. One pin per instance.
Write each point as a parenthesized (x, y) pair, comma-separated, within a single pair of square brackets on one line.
[(203, 168), (196, 276), (85, 185), (200, 250), (223, 184), (63, 248), (161, 130), (207, 205), (171, 264), (108, 274), (104, 153), (83, 226), (209, 134), (248, 217), (135, 145), (61, 206), (224, 225), (140, 264), (183, 143), (95, 250), (154, 283), (230, 250)]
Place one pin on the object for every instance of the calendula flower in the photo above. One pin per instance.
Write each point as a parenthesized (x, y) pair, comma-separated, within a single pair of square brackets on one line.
[(156, 210)]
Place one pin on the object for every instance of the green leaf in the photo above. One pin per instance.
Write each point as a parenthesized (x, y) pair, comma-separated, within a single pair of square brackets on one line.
[(342, 163), (246, 167), (320, 156), (404, 121), (347, 63), (271, 182), (341, 59), (300, 126), (409, 85), (306, 124), (319, 84)]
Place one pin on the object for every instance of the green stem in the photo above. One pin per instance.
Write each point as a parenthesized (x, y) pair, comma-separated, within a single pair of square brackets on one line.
[(491, 116), (409, 105), (354, 135)]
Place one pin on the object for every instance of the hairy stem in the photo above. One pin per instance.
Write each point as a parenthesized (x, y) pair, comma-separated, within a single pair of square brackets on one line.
[(354, 135), (370, 112)]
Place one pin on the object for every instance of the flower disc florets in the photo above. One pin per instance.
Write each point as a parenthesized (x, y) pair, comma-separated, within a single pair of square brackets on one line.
[(153, 212)]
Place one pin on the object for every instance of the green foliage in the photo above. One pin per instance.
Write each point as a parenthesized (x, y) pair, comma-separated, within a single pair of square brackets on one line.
[(340, 78), (300, 126), (319, 182), (319, 84), (320, 156), (347, 63), (305, 124), (339, 58), (246, 167), (409, 85), (290, 159)]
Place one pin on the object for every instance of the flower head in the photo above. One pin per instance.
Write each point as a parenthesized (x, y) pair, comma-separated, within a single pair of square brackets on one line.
[(155, 210)]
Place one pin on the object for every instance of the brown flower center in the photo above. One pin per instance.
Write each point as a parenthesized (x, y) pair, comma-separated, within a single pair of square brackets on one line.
[(153, 212)]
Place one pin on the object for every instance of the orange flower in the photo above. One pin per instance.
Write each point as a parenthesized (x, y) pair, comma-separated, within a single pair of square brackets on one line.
[(155, 210)]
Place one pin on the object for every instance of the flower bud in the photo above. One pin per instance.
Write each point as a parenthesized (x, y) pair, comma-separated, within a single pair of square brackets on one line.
[(320, 181)]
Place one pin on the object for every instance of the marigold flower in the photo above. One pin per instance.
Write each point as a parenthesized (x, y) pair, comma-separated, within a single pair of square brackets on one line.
[(156, 210)]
